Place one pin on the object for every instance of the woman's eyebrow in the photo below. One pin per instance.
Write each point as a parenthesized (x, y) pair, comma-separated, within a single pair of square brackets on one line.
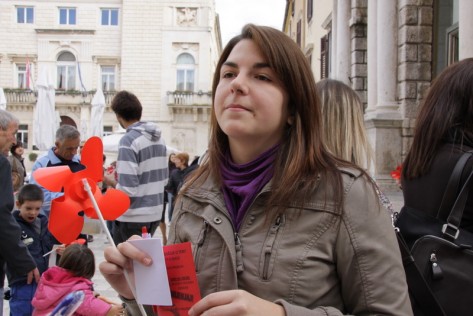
[(256, 65)]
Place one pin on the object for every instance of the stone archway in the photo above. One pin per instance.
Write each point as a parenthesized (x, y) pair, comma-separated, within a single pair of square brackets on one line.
[(66, 120)]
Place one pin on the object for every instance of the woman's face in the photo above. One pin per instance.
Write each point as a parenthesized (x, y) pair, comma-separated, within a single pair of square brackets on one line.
[(19, 151), (178, 163), (172, 157), (250, 101)]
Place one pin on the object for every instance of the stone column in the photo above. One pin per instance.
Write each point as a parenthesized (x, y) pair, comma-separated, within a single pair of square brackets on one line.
[(383, 119), (372, 56), (465, 26), (387, 59), (343, 41)]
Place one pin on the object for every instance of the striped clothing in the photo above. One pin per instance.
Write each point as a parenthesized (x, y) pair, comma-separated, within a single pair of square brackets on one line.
[(142, 169)]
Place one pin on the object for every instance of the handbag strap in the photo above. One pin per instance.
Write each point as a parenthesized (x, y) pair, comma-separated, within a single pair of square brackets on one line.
[(453, 184), (451, 229), (418, 287)]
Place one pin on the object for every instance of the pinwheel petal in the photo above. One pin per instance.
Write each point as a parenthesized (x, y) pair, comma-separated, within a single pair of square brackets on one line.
[(52, 178), (65, 223), (92, 158)]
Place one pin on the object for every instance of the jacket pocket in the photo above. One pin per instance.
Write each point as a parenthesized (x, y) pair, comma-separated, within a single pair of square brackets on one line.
[(269, 251), (200, 244)]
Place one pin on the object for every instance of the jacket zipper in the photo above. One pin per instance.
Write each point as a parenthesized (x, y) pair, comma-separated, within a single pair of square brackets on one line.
[(200, 243), (239, 254), (269, 245)]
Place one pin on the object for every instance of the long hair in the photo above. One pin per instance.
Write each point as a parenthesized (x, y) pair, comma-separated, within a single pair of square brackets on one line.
[(343, 124), (446, 112), (302, 156)]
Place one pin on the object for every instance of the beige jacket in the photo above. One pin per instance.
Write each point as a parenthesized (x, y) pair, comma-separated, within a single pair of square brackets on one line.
[(314, 261), (18, 172)]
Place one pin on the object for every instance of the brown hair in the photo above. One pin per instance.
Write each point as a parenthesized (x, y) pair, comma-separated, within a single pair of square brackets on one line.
[(302, 156), (126, 105), (79, 260), (184, 157), (446, 112)]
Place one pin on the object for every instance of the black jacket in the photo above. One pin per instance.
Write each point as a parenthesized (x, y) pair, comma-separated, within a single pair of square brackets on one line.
[(425, 193), (12, 249), (38, 244)]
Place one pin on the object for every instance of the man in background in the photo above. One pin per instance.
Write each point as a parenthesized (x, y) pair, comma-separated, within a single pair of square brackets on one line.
[(64, 153), (12, 250), (141, 167)]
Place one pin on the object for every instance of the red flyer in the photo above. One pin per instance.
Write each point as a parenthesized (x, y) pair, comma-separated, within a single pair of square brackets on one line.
[(183, 284)]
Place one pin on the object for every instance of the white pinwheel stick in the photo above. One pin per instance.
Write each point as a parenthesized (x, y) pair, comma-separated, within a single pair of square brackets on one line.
[(104, 225)]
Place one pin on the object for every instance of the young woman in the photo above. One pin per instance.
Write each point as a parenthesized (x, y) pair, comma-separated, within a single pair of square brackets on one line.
[(278, 225), (17, 165), (444, 131), (343, 123)]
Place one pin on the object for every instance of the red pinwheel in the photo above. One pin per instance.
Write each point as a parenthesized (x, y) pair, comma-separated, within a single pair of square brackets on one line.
[(66, 218)]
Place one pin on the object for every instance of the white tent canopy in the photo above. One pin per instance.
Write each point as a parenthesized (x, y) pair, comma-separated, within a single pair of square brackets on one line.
[(3, 100), (110, 143), (45, 121), (96, 120)]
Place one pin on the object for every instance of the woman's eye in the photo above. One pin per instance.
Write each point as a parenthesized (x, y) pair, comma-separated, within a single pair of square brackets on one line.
[(228, 75), (263, 78)]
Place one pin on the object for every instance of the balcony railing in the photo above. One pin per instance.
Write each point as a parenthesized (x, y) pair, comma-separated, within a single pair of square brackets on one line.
[(22, 96), (189, 98)]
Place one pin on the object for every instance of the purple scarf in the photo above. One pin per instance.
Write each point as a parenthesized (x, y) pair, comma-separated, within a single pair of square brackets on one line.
[(241, 183)]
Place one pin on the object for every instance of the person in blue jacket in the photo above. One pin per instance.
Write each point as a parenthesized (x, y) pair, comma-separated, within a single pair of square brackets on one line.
[(34, 235)]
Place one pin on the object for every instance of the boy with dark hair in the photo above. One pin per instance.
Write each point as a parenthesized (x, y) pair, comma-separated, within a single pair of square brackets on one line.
[(35, 236)]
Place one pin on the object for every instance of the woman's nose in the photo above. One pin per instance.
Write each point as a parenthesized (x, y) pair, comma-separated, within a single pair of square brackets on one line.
[(239, 85)]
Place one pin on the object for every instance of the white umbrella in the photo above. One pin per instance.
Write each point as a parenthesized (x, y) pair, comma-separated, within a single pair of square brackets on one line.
[(96, 121), (3, 100), (110, 143), (45, 117)]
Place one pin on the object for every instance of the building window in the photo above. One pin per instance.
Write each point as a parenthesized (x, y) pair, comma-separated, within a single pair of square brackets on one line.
[(299, 33), (22, 135), (67, 16), (324, 56), (21, 73), (107, 130), (310, 9), (109, 16), (108, 78), (185, 72), (66, 71), (25, 15), (452, 44)]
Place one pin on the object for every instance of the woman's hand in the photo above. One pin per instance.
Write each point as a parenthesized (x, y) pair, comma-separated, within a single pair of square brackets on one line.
[(117, 260), (60, 249), (235, 302)]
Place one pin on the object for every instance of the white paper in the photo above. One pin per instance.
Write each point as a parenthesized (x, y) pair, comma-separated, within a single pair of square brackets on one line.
[(151, 283)]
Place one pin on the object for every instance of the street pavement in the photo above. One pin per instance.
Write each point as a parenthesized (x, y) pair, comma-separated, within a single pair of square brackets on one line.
[(100, 243)]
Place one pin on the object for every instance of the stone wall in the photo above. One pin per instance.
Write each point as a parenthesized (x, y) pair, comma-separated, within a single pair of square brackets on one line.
[(415, 60)]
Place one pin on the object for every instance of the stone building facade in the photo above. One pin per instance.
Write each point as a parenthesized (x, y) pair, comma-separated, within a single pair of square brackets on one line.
[(163, 51), (389, 52)]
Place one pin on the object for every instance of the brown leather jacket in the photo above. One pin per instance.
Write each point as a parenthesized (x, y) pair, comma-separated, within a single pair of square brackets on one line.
[(314, 261)]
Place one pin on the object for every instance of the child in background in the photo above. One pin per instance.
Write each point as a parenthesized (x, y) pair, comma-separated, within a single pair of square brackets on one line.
[(74, 272), (35, 235)]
